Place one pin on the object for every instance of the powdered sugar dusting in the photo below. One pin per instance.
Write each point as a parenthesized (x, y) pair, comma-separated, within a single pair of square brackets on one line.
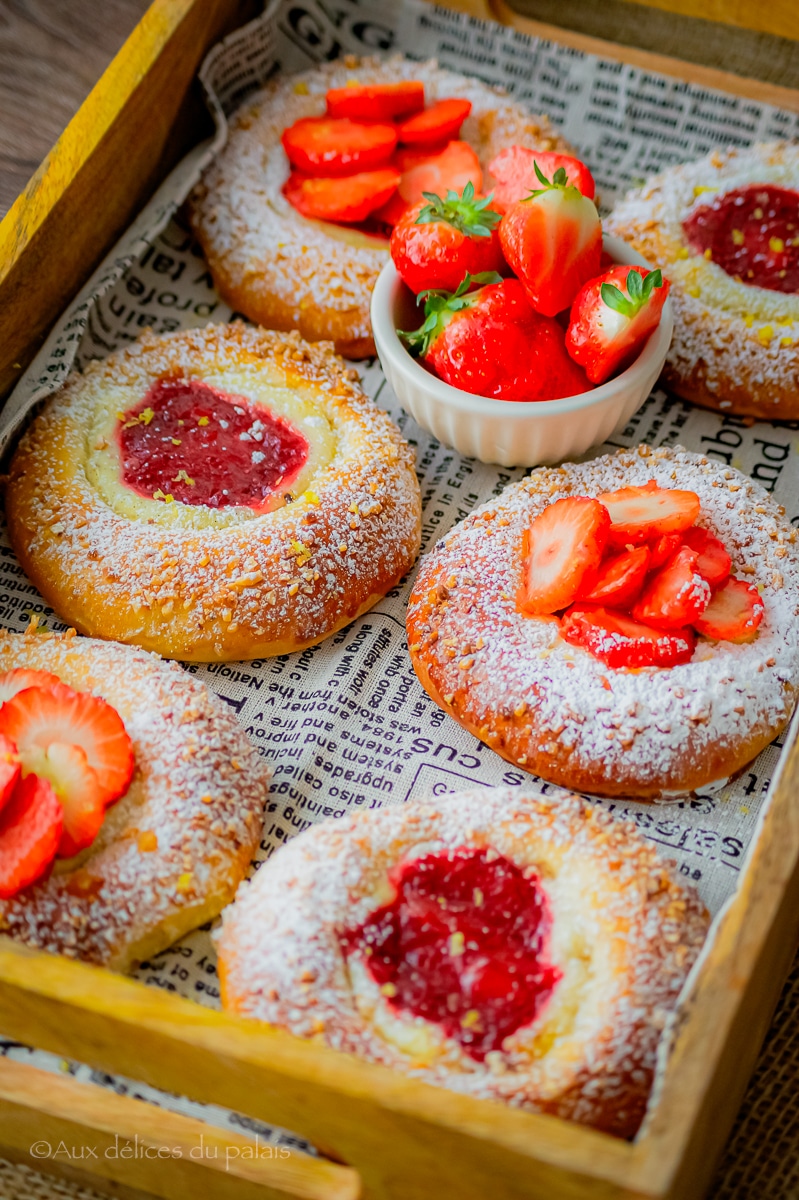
[(171, 852), (206, 584), (588, 1056), (556, 708), (738, 343)]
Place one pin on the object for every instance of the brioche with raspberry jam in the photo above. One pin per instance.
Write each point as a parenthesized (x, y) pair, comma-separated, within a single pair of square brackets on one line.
[(214, 494), (508, 946), (726, 231)]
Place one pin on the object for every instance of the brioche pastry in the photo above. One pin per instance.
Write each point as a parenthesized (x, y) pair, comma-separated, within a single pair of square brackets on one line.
[(286, 271), (214, 494), (172, 851), (558, 711), (509, 946), (725, 230)]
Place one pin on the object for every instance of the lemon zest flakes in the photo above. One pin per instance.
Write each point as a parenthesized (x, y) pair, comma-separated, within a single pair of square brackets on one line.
[(749, 320), (202, 421), (183, 477), (312, 497), (457, 943), (300, 88), (683, 252), (184, 883), (700, 190), (776, 245), (176, 441), (765, 333), (470, 1019), (301, 552), (738, 237), (167, 497)]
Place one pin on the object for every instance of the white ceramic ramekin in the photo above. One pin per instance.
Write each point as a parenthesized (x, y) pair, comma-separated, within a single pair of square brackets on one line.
[(510, 433)]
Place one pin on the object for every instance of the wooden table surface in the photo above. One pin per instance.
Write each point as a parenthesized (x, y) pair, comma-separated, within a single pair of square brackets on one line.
[(51, 54)]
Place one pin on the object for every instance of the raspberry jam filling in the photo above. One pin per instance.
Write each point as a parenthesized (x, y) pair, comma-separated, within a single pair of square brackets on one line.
[(752, 233), (463, 944), (198, 445)]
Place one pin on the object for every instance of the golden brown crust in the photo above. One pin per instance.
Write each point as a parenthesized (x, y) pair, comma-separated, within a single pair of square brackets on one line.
[(624, 934), (172, 851), (559, 712), (286, 272), (223, 584), (735, 347)]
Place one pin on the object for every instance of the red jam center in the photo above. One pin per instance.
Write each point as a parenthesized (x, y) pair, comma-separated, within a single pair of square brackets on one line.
[(463, 944), (752, 233), (201, 446)]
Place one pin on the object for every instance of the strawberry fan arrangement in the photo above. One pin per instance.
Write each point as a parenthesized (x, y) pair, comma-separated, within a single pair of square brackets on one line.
[(65, 758), (633, 578)]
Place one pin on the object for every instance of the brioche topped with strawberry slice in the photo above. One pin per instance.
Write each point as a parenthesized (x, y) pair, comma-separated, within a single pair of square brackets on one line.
[(625, 626), (295, 213), (572, 567), (130, 799)]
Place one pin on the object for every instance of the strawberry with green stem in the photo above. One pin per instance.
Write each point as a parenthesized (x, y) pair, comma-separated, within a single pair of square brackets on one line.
[(490, 342), (440, 241), (552, 241), (612, 317)]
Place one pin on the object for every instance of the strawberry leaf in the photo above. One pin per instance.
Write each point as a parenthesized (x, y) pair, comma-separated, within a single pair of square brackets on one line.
[(439, 306), (463, 212), (639, 290), (616, 299), (635, 285)]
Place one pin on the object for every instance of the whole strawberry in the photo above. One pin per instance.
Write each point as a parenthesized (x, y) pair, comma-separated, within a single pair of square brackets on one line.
[(612, 317), (490, 342), (439, 241), (552, 241)]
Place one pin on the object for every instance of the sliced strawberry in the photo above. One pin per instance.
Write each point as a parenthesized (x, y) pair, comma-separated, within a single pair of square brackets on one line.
[(676, 595), (30, 833), (491, 343), (348, 200), (640, 514), (20, 677), (612, 318), (620, 642), (662, 548), (37, 717), (714, 563), (552, 242), (563, 544), (329, 146), (10, 769), (439, 241), (392, 212), (78, 790), (441, 120), (734, 613), (405, 158), (620, 579), (449, 170), (514, 170), (376, 101)]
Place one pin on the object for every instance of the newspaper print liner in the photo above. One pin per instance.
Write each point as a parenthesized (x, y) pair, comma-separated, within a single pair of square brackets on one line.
[(346, 724)]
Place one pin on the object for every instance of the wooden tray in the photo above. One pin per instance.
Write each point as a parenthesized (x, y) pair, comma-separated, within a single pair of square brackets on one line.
[(399, 1138)]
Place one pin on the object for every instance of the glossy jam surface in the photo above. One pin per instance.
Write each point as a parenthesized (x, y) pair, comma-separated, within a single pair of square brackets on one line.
[(463, 944), (752, 233), (201, 446)]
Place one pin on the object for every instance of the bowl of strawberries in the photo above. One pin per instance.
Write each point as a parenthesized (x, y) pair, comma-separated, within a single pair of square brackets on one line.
[(539, 336)]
